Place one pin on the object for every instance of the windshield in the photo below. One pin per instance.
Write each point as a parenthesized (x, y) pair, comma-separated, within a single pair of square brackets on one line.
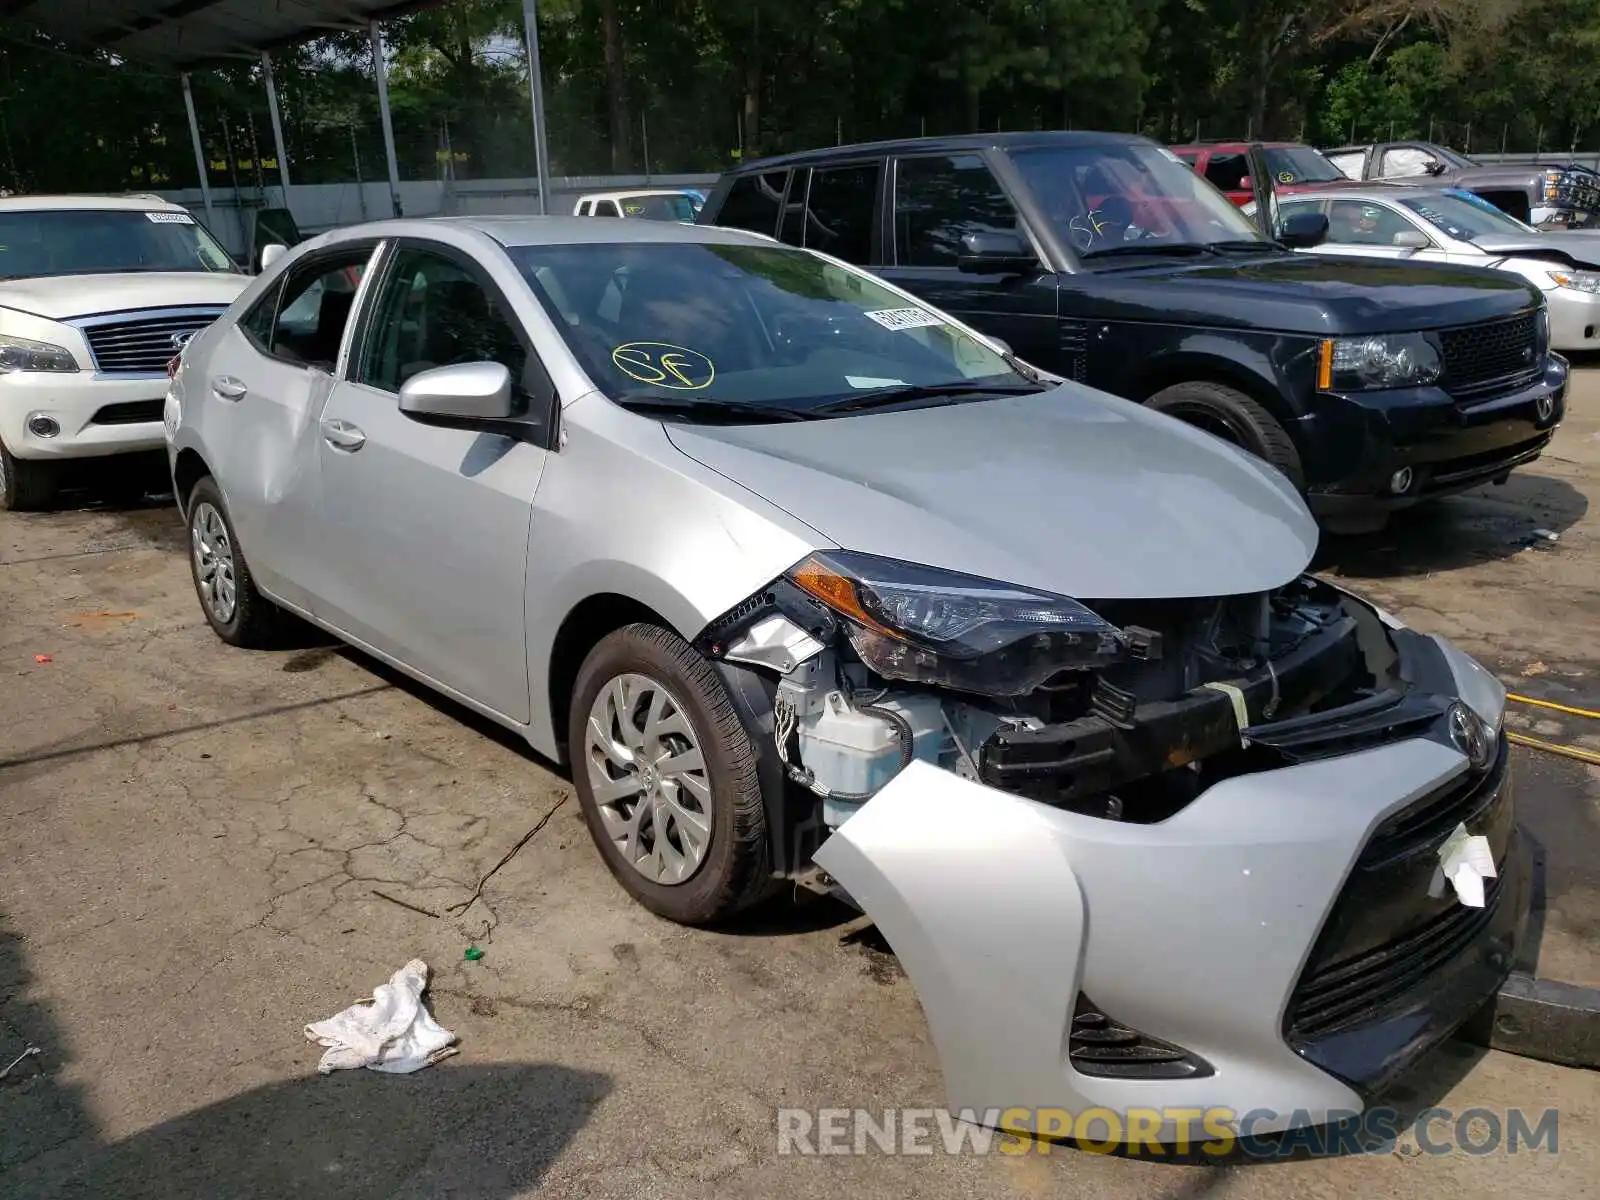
[(1129, 195), (658, 208), (753, 327), (103, 242), (1301, 164), (1463, 215)]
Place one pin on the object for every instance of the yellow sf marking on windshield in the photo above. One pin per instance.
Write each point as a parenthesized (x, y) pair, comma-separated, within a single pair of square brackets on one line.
[(662, 364)]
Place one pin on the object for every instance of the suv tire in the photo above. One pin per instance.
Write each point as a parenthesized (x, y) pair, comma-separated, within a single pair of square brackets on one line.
[(25, 485), (1234, 417)]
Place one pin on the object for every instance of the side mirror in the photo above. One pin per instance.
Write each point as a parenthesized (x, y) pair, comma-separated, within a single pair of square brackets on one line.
[(995, 254), (1434, 167), (1304, 230), (271, 253), (461, 396), (1411, 239)]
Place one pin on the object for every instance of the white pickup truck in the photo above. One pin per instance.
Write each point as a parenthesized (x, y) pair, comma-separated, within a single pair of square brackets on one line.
[(97, 295)]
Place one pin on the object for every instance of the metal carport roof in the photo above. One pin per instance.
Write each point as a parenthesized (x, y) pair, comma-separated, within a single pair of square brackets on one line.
[(191, 33), (185, 34)]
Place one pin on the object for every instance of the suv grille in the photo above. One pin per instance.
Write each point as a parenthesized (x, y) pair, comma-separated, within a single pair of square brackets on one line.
[(1498, 356), (143, 344)]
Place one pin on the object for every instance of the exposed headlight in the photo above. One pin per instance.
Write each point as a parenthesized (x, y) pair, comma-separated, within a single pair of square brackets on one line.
[(1578, 281), (1384, 361), (19, 354), (928, 625)]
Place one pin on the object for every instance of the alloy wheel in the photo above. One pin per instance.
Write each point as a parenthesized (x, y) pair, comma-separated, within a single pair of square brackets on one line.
[(649, 778)]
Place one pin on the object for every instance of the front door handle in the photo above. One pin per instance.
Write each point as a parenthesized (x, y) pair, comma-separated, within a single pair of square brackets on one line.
[(342, 435), (228, 388)]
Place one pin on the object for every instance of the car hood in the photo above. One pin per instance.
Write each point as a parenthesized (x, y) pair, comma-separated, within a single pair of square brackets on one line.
[(1581, 248), (1071, 490), (1313, 294), (64, 297)]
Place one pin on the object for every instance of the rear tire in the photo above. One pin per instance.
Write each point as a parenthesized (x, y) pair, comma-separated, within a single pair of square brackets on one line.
[(238, 613), (1231, 415), (26, 485), (666, 775)]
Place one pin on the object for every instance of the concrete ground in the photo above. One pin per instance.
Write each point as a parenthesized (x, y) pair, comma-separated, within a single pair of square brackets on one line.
[(193, 838)]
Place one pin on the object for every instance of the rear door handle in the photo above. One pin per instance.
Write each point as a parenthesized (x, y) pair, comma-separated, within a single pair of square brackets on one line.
[(342, 435), (229, 388)]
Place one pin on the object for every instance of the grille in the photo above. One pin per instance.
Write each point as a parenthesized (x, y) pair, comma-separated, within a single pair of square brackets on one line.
[(1493, 357), (131, 412), (1336, 995), (1429, 822), (143, 345)]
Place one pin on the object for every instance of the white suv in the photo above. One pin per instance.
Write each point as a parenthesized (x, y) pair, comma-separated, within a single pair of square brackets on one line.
[(97, 295)]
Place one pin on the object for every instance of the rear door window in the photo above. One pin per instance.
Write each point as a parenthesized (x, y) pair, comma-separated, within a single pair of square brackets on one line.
[(753, 202), (1229, 172), (840, 210), (938, 201)]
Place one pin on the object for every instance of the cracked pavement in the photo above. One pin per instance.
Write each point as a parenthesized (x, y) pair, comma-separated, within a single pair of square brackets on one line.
[(194, 838)]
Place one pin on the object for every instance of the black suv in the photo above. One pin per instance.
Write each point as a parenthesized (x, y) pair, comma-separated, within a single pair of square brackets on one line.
[(1102, 258)]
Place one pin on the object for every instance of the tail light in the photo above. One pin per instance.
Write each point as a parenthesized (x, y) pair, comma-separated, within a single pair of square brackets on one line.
[(173, 364)]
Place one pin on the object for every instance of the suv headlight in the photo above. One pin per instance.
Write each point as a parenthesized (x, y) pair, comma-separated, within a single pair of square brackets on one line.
[(932, 626), (1578, 281), (20, 354), (1383, 361)]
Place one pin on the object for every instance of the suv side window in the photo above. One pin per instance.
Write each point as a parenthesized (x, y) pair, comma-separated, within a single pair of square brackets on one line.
[(753, 202), (840, 208), (433, 312), (1351, 163), (314, 303), (1229, 172), (938, 201)]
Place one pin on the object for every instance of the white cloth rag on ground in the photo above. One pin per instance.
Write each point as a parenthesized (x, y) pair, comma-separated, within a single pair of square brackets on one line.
[(392, 1032)]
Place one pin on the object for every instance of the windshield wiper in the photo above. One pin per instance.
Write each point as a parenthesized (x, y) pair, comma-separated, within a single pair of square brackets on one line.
[(706, 409), (1181, 249), (910, 393), (1245, 245)]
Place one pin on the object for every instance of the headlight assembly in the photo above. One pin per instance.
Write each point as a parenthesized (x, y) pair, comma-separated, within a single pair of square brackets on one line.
[(20, 354), (928, 625), (1577, 281), (1382, 361)]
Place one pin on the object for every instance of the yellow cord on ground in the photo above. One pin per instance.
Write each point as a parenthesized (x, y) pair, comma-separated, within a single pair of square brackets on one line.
[(1577, 712), (1591, 757)]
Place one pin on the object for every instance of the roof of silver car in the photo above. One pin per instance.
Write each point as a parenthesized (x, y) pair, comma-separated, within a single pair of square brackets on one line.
[(564, 230)]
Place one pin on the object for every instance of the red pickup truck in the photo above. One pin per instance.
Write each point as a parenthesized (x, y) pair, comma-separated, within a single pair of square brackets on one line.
[(1295, 168)]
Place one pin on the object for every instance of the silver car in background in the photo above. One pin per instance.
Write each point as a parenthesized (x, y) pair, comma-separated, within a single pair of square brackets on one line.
[(1451, 225), (809, 583)]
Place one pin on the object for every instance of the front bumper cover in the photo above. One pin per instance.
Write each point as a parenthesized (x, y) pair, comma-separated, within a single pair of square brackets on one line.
[(1197, 931)]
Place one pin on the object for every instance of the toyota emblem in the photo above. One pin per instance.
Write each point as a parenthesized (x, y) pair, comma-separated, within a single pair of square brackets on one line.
[(180, 340), (1470, 736)]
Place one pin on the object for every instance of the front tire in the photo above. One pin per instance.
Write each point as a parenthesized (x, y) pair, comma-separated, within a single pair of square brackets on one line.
[(238, 613), (1231, 415), (26, 485), (666, 776)]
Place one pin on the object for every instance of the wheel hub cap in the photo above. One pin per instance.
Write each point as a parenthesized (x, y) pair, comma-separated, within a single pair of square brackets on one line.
[(649, 778), (213, 562)]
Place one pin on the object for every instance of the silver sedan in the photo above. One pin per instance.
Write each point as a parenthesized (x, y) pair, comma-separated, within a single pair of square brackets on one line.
[(1451, 225), (809, 584)]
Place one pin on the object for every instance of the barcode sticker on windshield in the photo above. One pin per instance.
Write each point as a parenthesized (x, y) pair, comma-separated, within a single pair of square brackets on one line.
[(170, 218), (904, 318)]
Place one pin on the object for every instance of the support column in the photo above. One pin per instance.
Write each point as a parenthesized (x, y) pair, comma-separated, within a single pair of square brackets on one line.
[(541, 157), (380, 68), (199, 151), (277, 125)]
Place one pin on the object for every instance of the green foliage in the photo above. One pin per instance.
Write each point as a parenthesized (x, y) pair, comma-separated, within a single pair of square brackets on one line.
[(694, 82)]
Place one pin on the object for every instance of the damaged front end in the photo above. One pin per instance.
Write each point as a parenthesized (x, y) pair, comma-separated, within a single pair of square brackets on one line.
[(1119, 709), (1244, 796)]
